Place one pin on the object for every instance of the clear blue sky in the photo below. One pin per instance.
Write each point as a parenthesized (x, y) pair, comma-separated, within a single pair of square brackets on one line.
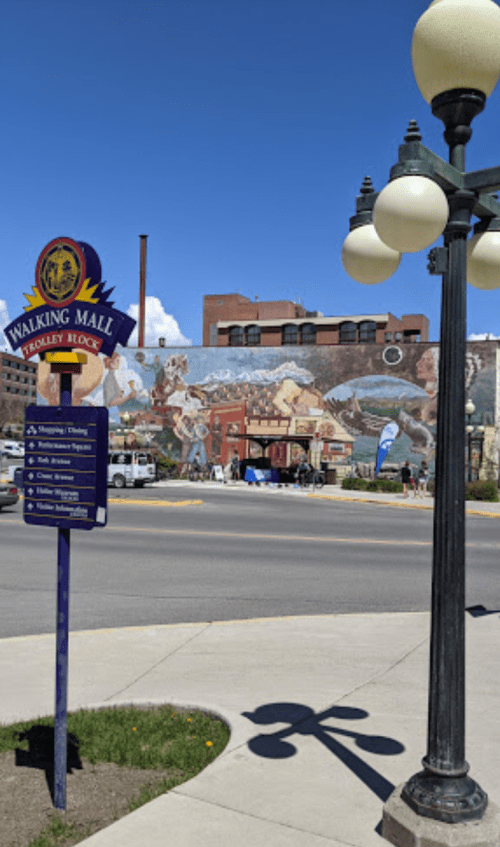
[(234, 133)]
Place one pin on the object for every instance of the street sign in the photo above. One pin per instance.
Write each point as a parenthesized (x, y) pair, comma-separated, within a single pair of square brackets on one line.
[(66, 466), (66, 448)]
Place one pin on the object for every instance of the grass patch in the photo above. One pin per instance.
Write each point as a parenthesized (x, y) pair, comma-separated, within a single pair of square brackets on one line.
[(173, 742), (157, 737)]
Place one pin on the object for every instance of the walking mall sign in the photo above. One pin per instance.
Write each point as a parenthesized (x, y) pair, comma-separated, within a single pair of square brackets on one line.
[(69, 306)]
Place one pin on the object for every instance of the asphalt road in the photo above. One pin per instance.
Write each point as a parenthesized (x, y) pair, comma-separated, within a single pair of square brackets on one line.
[(241, 554)]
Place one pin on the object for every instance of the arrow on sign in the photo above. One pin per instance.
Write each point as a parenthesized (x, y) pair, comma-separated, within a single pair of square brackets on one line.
[(30, 506), (31, 431), (31, 475), (31, 445), (31, 460), (30, 491)]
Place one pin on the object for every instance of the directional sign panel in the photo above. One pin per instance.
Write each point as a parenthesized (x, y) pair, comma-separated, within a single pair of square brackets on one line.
[(66, 466)]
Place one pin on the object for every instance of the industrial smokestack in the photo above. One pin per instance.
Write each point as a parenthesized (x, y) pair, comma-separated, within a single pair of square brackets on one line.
[(142, 291)]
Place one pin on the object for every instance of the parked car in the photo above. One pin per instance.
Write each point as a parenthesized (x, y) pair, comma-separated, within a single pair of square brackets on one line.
[(13, 449), (9, 494)]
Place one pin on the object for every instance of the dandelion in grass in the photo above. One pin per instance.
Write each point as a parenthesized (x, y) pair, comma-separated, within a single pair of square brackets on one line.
[(209, 744), (134, 729)]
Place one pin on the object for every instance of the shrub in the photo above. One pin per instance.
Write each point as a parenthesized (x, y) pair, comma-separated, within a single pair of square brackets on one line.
[(386, 485), (481, 490), (391, 486), (354, 484)]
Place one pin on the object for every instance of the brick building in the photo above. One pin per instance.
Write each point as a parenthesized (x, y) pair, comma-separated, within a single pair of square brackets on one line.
[(231, 320), (17, 389)]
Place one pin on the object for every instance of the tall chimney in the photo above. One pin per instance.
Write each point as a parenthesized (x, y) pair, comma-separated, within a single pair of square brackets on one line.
[(142, 291)]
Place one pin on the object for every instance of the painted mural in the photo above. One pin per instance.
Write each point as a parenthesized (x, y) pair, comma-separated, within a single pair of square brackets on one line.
[(332, 402)]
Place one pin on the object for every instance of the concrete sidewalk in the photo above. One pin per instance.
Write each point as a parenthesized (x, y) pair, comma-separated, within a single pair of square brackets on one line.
[(327, 716)]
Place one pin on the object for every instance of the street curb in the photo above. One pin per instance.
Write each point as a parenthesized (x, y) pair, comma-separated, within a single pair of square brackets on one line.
[(369, 500), (397, 505)]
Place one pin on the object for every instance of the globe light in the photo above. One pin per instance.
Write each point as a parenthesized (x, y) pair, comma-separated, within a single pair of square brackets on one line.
[(456, 44), (483, 260), (410, 213), (470, 408), (366, 258)]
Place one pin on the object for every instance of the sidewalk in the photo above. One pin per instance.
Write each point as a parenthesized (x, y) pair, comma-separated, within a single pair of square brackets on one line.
[(353, 686)]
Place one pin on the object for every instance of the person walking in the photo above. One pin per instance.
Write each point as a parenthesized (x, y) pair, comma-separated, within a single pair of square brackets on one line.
[(423, 479), (406, 477), (196, 469), (303, 469), (235, 467)]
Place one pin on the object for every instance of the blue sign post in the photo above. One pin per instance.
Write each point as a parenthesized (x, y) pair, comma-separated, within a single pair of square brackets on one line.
[(66, 448), (65, 485)]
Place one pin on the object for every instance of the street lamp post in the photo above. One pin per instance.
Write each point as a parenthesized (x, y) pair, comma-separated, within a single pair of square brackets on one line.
[(479, 436), (469, 411), (456, 61)]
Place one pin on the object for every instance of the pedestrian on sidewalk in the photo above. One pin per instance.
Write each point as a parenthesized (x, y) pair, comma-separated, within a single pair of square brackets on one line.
[(406, 477), (423, 479), (304, 468), (235, 467), (196, 469)]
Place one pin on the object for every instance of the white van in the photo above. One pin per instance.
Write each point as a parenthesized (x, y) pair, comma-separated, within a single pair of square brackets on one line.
[(130, 467), (13, 449)]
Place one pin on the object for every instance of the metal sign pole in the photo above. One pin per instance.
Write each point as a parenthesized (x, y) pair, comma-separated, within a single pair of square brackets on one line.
[(62, 637), (65, 364)]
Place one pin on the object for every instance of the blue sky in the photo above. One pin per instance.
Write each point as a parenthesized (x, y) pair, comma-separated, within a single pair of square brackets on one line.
[(234, 133)]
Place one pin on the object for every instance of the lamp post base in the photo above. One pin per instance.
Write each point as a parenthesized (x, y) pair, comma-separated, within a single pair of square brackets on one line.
[(403, 827), (446, 799)]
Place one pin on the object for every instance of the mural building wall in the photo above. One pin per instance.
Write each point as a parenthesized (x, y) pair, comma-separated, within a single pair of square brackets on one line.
[(336, 399)]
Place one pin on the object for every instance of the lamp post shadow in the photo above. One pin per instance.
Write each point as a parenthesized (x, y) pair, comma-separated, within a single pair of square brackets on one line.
[(304, 721)]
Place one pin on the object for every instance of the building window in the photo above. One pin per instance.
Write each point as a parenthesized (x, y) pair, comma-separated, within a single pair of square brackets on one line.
[(308, 334), (388, 337), (397, 336), (347, 333), (252, 334), (367, 332), (236, 336), (290, 334)]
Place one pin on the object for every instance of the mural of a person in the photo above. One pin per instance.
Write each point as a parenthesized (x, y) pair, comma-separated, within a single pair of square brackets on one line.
[(183, 429), (200, 432), (113, 395), (216, 439)]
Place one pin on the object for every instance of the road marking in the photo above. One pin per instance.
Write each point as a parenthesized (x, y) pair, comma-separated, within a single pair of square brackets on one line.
[(156, 502), (274, 537)]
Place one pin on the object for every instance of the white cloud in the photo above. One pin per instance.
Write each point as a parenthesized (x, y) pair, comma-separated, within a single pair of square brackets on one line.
[(4, 321), (482, 336), (157, 325)]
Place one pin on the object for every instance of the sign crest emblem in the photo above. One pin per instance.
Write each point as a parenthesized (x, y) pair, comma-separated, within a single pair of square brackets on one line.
[(60, 272)]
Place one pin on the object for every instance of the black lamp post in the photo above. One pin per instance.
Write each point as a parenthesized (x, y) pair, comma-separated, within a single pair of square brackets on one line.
[(469, 411), (456, 60)]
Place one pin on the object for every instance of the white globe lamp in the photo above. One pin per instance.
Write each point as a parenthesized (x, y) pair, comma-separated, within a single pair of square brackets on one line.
[(483, 260), (456, 45), (366, 258), (410, 213)]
